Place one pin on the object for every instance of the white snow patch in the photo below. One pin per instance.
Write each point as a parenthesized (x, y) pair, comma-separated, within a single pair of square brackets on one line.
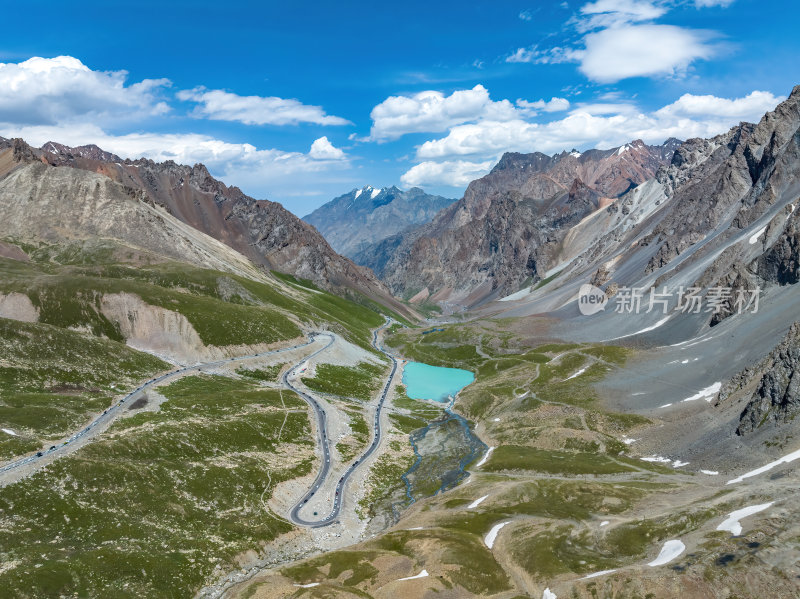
[(657, 458), (485, 457), (374, 193), (492, 536), (710, 472), (576, 155), (754, 237), (628, 441), (496, 420), (784, 460), (666, 405), (548, 594), (669, 552), (358, 193), (8, 431), (580, 372), (707, 393), (604, 523), (477, 502), (678, 464), (416, 528), (644, 330), (422, 574), (600, 573), (622, 149), (732, 524), (307, 586), (684, 361)]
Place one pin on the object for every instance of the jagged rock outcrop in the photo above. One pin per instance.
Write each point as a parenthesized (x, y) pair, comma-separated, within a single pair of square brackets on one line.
[(777, 396), (352, 223), (781, 263), (731, 181)]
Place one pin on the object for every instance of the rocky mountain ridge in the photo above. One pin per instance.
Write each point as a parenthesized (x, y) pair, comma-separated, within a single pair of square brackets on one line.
[(261, 230), (355, 221), (508, 226)]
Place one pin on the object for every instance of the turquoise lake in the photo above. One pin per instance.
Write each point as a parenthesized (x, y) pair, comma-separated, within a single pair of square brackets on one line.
[(424, 381)]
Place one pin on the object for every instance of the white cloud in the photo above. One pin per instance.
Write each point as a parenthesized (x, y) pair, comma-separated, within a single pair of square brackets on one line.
[(432, 111), (46, 91), (220, 105), (61, 99), (613, 13), (641, 50), (554, 55), (708, 3), (526, 15), (453, 173), (599, 125), (619, 40), (322, 149), (749, 108), (554, 105)]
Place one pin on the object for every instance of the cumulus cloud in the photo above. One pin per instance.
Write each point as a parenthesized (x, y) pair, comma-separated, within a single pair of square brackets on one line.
[(601, 125), (61, 99), (432, 111), (46, 91), (453, 173), (322, 149), (554, 105), (641, 50), (221, 105), (748, 108), (619, 40)]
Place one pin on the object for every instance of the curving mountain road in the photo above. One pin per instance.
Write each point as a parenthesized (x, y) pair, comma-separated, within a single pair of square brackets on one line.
[(111, 413), (294, 514)]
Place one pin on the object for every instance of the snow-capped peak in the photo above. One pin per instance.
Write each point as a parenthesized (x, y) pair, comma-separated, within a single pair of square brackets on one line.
[(373, 191), (575, 154), (623, 149)]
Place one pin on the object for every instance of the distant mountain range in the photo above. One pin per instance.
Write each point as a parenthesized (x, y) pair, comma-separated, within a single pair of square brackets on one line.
[(352, 223)]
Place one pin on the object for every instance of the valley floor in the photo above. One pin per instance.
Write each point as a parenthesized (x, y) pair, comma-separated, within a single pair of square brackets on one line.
[(570, 497)]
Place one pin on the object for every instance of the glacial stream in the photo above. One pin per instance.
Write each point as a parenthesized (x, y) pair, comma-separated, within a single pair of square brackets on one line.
[(446, 446)]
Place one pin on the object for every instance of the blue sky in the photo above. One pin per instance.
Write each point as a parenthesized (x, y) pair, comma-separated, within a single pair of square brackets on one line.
[(300, 103)]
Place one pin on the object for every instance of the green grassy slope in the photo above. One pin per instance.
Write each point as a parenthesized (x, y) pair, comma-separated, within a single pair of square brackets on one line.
[(156, 504), (52, 380)]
